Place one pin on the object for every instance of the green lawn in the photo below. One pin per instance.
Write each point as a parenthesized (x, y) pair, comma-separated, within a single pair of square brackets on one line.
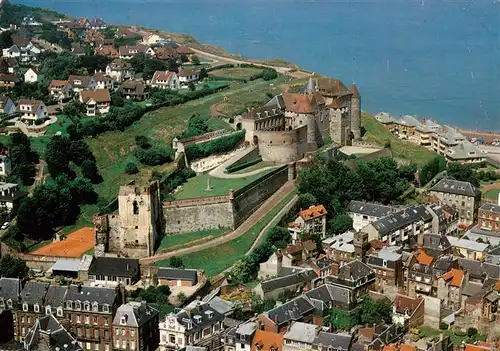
[(216, 259), (196, 187), (377, 133), (60, 126), (492, 194), (260, 165), (173, 242), (238, 72), (455, 339)]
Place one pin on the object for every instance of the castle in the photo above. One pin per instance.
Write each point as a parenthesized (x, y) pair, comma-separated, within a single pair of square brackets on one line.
[(135, 230), (292, 124)]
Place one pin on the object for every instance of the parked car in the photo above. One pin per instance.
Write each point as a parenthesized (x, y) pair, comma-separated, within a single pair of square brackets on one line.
[(5, 226)]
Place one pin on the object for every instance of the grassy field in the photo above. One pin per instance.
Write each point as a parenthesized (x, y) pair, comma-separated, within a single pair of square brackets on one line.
[(174, 242), (492, 194), (455, 339), (255, 167), (238, 72), (217, 259), (377, 133), (196, 187)]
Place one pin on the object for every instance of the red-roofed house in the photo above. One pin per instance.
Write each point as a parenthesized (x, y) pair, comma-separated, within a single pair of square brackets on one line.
[(96, 101), (311, 220), (165, 80), (61, 89), (450, 286), (267, 341)]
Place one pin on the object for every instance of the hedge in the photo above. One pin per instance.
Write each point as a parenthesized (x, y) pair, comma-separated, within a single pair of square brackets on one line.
[(216, 146), (235, 79), (214, 68), (237, 167)]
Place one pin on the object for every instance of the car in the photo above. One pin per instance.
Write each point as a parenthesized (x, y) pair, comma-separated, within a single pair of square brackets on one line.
[(5, 226)]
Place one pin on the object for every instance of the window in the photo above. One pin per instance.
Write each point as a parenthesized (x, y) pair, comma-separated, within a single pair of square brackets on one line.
[(135, 207), (106, 347), (123, 331), (105, 321), (95, 307), (59, 311), (87, 320), (68, 305), (105, 308), (47, 310), (87, 346), (171, 338), (37, 308), (78, 305), (117, 331), (9, 303), (117, 344), (132, 333), (86, 306), (25, 307), (96, 333), (132, 345)]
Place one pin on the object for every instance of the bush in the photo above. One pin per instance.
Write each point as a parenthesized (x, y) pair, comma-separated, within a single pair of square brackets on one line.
[(460, 333), (39, 121), (154, 156), (471, 331), (142, 141), (269, 74), (443, 326), (220, 145), (131, 168)]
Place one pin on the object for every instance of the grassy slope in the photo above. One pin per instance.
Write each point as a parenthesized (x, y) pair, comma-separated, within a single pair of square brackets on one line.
[(216, 259), (240, 72), (376, 133), (174, 242)]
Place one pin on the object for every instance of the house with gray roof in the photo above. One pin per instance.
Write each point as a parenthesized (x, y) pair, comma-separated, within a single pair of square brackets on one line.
[(298, 309), (463, 196), (48, 334), (111, 271), (141, 321), (177, 276), (325, 341), (10, 293), (363, 213), (465, 153), (273, 287), (299, 336), (355, 276), (400, 227), (489, 216), (197, 324), (54, 300), (388, 267)]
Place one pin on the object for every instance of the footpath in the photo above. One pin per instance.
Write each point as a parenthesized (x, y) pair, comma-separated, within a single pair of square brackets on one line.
[(254, 218)]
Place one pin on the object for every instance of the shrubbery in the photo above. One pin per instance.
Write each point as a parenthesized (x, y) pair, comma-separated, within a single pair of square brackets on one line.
[(131, 168), (154, 156), (23, 159), (219, 145)]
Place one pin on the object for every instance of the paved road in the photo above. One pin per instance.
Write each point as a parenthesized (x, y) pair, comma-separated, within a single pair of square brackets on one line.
[(255, 217)]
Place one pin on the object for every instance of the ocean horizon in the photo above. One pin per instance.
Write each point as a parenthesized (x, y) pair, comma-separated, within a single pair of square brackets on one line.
[(430, 58)]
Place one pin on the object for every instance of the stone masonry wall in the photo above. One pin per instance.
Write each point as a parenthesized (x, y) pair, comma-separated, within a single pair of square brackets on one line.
[(197, 214), (249, 198)]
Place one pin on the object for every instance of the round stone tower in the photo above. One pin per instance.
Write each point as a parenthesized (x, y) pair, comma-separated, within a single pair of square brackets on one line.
[(355, 112)]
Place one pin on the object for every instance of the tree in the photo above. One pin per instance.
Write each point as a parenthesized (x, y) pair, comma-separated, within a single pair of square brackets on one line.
[(90, 171), (279, 237), (375, 311), (203, 74), (131, 168), (192, 86), (142, 141), (93, 63), (306, 200), (152, 65), (431, 169), (464, 173), (60, 66), (6, 40), (13, 267), (184, 58), (57, 155), (342, 320), (269, 74), (23, 158), (340, 224), (195, 60), (175, 262)]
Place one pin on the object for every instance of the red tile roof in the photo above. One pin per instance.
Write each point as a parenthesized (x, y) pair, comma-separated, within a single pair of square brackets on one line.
[(423, 258), (455, 276), (313, 212), (265, 340), (58, 84), (403, 302)]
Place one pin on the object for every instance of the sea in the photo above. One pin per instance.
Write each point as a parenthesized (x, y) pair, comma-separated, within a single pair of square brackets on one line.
[(436, 59)]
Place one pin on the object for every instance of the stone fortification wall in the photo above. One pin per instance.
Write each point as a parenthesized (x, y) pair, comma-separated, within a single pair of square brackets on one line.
[(249, 198), (368, 157), (283, 147), (198, 214), (246, 156)]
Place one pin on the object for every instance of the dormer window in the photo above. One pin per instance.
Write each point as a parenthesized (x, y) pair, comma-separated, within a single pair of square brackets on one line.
[(105, 308), (9, 303), (78, 305), (95, 307), (86, 306), (69, 305), (36, 308), (25, 307), (123, 320)]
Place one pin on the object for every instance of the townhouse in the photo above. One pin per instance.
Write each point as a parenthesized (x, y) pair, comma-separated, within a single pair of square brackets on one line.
[(463, 196), (310, 221), (113, 271), (489, 217), (388, 267), (364, 213)]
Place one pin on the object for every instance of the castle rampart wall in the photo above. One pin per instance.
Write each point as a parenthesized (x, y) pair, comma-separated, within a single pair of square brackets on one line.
[(194, 215), (249, 198)]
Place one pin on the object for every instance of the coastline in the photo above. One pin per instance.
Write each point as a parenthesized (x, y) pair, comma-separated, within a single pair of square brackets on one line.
[(279, 64)]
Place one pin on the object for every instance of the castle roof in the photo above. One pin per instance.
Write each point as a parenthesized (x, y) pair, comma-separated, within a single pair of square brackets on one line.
[(354, 90), (298, 103), (332, 86)]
